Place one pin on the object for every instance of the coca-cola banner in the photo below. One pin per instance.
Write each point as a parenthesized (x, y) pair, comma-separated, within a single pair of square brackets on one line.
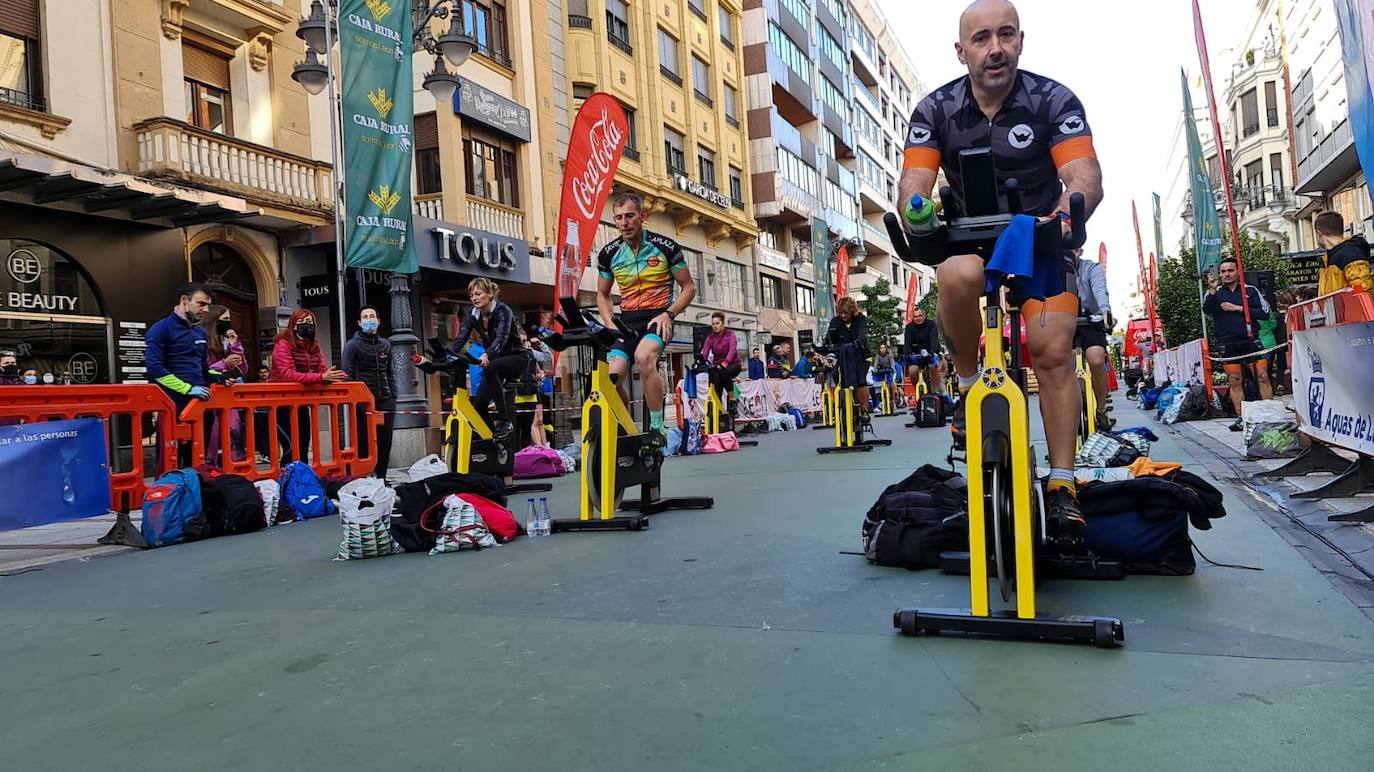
[(1102, 254), (598, 138), (912, 287), (842, 273)]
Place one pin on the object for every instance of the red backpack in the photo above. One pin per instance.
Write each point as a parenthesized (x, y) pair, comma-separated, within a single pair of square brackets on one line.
[(499, 520)]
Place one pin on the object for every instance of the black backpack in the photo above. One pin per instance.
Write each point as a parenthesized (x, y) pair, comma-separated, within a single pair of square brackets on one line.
[(915, 520), (230, 504), (413, 500), (930, 411), (1195, 405)]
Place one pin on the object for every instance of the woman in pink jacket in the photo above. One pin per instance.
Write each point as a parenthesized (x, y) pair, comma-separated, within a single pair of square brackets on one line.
[(298, 358), (228, 364)]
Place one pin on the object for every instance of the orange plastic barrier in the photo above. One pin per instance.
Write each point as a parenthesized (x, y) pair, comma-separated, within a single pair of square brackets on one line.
[(326, 414), (1340, 307), (138, 419)]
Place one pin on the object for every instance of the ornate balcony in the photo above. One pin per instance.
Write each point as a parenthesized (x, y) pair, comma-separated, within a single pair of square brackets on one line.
[(176, 150)]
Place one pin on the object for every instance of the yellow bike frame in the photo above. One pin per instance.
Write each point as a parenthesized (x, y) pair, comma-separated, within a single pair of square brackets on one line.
[(613, 419), (844, 430), (829, 398), (921, 388), (885, 395), (1090, 401), (996, 383), (714, 409), (464, 421)]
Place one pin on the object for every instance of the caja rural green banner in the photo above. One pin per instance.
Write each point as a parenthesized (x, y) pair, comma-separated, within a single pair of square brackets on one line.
[(378, 110)]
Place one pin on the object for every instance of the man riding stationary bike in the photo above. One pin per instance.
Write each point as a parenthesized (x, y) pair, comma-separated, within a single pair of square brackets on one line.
[(646, 266), (1094, 324), (1038, 132), (921, 342)]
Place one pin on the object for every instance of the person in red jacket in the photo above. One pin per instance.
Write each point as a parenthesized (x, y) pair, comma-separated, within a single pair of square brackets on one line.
[(298, 358)]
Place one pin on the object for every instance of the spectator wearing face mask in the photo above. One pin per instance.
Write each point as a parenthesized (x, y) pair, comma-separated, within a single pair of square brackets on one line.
[(9, 369), (367, 358), (30, 377), (298, 358), (227, 365)]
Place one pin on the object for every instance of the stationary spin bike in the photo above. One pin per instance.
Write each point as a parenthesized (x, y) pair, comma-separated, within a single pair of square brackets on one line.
[(470, 445), (1005, 508), (614, 456), (848, 426), (719, 419)]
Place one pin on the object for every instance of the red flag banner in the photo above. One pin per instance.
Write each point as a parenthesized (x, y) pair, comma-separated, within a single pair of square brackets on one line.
[(1201, 37), (913, 285), (1142, 278), (595, 144), (842, 273)]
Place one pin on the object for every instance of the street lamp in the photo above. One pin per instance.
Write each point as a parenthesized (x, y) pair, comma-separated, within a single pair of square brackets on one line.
[(311, 74), (319, 31)]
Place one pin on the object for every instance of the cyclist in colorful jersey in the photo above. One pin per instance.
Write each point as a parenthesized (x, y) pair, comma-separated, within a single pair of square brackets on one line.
[(1039, 134), (648, 268)]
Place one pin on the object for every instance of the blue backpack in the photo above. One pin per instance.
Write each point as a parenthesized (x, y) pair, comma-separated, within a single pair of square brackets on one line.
[(170, 504), (303, 493)]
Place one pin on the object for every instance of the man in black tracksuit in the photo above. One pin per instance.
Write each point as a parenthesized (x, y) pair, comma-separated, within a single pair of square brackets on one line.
[(921, 345), (367, 358), (1234, 339)]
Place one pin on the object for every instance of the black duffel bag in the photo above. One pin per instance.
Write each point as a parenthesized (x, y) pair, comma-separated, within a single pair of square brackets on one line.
[(413, 500), (914, 520)]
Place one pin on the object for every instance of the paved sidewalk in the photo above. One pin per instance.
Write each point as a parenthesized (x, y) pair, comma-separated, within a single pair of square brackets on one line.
[(745, 637), (1343, 551), (29, 549)]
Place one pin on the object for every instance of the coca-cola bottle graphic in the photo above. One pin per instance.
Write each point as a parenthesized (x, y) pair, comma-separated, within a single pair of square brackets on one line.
[(572, 260)]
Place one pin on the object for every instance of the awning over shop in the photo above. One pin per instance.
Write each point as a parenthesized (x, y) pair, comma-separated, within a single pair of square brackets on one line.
[(28, 179)]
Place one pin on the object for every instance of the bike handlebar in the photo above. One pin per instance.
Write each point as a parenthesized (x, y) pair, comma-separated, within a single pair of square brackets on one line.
[(588, 329), (978, 235)]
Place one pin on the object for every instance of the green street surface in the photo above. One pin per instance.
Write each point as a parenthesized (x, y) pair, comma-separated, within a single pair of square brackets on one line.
[(737, 638)]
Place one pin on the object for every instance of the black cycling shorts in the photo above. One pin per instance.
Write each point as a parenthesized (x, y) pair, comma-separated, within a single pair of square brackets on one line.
[(1228, 349), (1089, 335), (638, 324)]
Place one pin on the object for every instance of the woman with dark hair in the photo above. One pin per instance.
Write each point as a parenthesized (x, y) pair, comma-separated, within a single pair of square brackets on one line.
[(224, 357), (849, 326), (503, 356), (298, 358)]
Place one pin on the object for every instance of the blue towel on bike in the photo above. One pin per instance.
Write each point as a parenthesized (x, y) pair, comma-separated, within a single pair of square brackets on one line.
[(1033, 277)]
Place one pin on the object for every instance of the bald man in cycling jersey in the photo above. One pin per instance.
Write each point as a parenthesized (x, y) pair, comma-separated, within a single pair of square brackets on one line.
[(648, 267), (1039, 134)]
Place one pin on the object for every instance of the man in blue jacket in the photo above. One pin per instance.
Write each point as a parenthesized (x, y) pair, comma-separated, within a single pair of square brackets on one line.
[(175, 356)]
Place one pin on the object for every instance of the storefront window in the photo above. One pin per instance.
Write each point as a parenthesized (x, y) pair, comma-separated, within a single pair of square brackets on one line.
[(50, 315)]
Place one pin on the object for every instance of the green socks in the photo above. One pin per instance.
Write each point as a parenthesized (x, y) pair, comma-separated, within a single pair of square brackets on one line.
[(655, 420)]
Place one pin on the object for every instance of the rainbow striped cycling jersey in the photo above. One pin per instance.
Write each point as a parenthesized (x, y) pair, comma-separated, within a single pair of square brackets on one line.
[(646, 278)]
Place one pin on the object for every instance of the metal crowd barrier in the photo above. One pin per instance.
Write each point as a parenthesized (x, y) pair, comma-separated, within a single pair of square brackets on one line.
[(1351, 478)]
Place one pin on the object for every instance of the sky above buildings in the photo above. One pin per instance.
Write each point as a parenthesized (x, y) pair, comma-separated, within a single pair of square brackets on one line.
[(1122, 59)]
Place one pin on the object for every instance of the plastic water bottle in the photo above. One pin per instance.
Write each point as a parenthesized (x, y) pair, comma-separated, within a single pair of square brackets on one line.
[(920, 215), (532, 519), (545, 522)]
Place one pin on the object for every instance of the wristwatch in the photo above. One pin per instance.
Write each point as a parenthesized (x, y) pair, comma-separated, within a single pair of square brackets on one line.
[(670, 314)]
